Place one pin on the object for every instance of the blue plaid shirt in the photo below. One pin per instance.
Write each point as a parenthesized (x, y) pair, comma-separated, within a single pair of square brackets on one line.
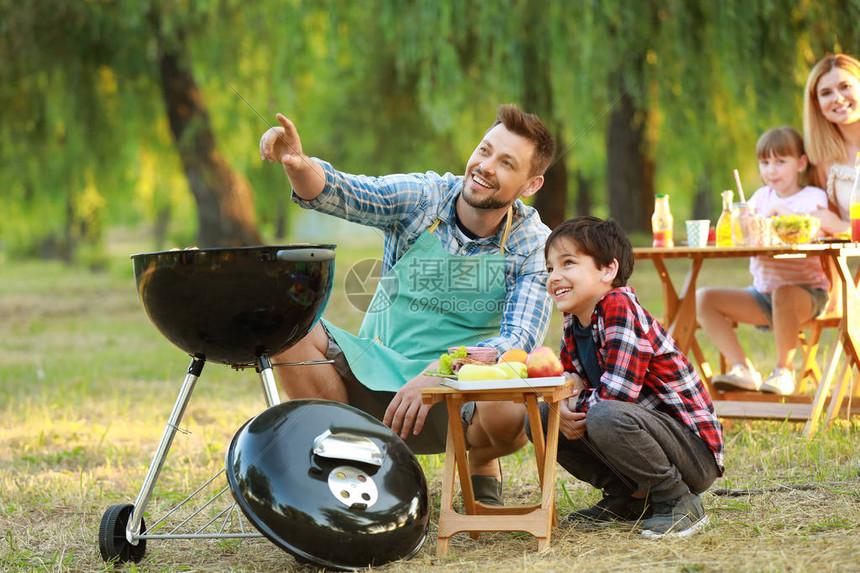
[(403, 206)]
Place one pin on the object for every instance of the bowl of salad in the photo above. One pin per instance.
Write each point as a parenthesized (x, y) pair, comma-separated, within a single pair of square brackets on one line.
[(795, 229)]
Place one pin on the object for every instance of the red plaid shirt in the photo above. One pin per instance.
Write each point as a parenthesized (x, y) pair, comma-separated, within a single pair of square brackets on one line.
[(641, 363)]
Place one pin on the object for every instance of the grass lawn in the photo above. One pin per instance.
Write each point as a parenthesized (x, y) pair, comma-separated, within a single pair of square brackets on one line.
[(87, 384)]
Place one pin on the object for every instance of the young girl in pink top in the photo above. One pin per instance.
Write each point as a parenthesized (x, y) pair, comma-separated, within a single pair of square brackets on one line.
[(785, 292)]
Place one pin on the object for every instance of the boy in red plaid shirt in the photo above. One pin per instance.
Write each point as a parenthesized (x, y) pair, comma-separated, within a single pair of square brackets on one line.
[(640, 425)]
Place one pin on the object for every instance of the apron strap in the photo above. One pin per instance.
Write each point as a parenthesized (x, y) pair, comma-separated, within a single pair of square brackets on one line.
[(507, 231)]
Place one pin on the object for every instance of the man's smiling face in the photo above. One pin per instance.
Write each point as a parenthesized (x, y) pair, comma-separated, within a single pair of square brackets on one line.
[(499, 170)]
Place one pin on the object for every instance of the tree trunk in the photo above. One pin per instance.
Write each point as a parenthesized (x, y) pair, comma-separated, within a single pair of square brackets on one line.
[(584, 202), (162, 224), (281, 218), (705, 205), (551, 200), (225, 208), (630, 167)]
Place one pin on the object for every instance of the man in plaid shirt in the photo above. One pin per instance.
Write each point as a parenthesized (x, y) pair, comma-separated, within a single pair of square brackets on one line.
[(641, 425), (467, 258)]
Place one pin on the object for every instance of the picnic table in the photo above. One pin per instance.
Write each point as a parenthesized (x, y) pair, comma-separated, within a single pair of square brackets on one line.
[(679, 319)]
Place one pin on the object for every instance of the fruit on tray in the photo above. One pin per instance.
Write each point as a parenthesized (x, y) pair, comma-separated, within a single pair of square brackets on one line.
[(795, 228), (514, 355), (512, 365), (472, 372), (542, 361), (514, 370)]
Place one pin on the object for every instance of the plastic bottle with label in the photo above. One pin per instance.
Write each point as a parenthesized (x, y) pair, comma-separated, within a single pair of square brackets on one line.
[(724, 223), (854, 203), (662, 222)]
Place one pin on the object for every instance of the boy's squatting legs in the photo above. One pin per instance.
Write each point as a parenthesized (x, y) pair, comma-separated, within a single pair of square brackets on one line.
[(630, 448), (496, 429)]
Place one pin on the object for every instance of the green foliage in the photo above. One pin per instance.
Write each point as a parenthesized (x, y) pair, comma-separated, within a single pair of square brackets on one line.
[(74, 115), (384, 85)]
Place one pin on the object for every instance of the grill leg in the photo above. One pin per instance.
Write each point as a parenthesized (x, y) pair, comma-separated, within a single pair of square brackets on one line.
[(268, 382), (191, 377)]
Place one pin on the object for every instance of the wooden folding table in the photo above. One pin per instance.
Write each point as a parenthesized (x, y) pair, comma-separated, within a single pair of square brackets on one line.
[(538, 519)]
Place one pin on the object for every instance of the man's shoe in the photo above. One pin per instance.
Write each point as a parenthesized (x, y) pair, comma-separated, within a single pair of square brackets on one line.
[(613, 508), (677, 517), (738, 378), (780, 381), (488, 490)]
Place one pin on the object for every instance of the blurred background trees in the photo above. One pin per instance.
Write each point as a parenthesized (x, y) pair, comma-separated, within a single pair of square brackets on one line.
[(129, 113)]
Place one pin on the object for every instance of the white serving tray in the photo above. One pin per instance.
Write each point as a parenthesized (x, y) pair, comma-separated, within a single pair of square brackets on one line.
[(504, 384)]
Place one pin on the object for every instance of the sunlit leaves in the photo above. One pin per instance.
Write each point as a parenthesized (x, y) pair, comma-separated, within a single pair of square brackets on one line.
[(384, 85)]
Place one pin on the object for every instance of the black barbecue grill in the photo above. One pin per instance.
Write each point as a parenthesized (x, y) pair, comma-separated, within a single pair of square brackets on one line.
[(240, 306)]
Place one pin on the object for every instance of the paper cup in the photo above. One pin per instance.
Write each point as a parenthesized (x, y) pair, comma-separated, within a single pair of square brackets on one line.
[(697, 232)]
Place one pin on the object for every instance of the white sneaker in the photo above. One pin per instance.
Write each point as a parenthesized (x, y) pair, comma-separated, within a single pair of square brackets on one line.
[(779, 381), (738, 378)]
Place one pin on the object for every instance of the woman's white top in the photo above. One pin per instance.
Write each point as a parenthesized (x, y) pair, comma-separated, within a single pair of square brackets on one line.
[(840, 182)]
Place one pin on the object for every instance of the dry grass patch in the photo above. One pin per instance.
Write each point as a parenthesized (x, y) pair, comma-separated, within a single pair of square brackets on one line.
[(87, 383)]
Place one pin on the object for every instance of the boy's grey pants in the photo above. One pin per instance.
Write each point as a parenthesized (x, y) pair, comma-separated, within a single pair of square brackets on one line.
[(628, 447)]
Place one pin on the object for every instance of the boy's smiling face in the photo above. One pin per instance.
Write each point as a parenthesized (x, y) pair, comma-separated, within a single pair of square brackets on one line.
[(575, 282)]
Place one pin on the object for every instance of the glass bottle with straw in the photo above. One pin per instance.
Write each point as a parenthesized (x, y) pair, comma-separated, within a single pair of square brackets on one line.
[(740, 216), (740, 187), (746, 230)]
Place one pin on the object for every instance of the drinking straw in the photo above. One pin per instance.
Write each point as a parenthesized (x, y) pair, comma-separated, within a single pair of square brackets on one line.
[(740, 187)]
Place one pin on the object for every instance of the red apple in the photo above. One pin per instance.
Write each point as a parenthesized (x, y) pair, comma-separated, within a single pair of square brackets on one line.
[(542, 362)]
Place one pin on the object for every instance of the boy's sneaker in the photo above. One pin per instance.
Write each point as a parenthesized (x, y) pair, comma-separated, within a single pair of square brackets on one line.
[(780, 381), (677, 517), (614, 508), (738, 378)]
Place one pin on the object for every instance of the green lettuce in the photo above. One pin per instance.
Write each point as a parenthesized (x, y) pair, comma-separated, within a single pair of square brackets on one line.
[(445, 360)]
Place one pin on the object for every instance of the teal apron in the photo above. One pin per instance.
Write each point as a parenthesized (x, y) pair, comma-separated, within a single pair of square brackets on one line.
[(436, 301)]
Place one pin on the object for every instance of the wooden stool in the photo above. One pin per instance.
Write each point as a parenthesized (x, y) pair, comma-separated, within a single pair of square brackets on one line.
[(808, 345), (537, 520)]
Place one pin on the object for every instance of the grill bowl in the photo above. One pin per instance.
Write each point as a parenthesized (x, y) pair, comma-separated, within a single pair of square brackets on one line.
[(232, 305)]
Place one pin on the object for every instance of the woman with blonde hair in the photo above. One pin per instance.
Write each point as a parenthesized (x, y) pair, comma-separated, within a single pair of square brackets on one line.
[(831, 126)]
